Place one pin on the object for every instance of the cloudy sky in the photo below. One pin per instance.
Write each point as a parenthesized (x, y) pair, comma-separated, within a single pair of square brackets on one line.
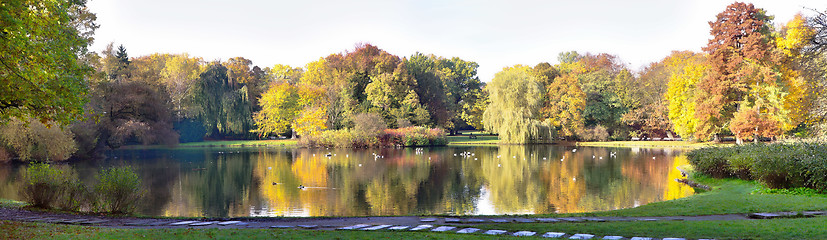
[(494, 34)]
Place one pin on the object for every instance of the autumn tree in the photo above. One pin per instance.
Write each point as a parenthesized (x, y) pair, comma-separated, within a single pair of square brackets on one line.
[(564, 100), (749, 124), (42, 74), (516, 98), (739, 57), (686, 70)]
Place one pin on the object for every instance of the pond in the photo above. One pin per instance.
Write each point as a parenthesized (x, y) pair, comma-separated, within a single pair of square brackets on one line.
[(236, 182)]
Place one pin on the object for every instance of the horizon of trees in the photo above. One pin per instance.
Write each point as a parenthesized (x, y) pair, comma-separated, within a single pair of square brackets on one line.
[(753, 80)]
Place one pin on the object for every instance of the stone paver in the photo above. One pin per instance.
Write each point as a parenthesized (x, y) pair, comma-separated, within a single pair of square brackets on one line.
[(581, 236), (229, 223), (354, 227), (500, 220), (641, 238), (595, 219), (310, 226), (452, 220), (523, 220), (468, 230), (428, 220), (553, 235), (183, 223), (399, 228), (572, 219), (201, 224), (524, 234), (674, 239), (281, 226), (547, 220), (474, 220), (764, 215), (377, 227), (613, 237), (646, 219), (443, 229), (494, 232), (421, 227)]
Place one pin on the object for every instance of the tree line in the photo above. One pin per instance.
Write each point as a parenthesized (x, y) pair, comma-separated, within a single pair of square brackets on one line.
[(752, 80)]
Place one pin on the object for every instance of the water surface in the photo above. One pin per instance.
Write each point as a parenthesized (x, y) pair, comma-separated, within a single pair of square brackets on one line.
[(234, 182)]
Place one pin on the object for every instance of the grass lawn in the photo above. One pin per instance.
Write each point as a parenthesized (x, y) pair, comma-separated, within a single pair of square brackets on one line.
[(799, 228), (240, 143), (25, 230), (656, 144), (727, 196)]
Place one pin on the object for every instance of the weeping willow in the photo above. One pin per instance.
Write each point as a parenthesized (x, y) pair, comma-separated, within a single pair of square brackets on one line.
[(516, 97)]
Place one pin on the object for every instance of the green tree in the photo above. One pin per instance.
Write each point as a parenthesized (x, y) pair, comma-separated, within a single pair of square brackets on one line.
[(516, 97), (42, 74)]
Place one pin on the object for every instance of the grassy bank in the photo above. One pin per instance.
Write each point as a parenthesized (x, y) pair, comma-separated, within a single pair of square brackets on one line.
[(241, 143), (726, 197), (800, 228), (651, 144), (20, 230)]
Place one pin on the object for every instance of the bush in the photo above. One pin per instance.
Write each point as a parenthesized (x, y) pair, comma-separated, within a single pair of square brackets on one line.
[(711, 161), (74, 195), (793, 165), (411, 136), (119, 190), (592, 134), (368, 125), (42, 185), (32, 140)]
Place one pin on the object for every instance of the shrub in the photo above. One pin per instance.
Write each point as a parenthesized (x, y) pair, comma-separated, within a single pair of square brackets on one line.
[(596, 133), (368, 125), (711, 161), (42, 185), (411, 136), (33, 140), (792, 165), (74, 195), (119, 190)]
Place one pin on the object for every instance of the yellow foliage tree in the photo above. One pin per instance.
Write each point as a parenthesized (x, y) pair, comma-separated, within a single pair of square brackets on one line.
[(681, 93), (793, 37)]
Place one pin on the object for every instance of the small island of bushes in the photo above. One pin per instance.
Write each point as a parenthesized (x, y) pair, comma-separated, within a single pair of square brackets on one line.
[(370, 130)]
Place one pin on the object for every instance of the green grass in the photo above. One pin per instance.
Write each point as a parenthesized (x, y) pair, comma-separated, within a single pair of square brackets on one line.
[(480, 140), (240, 143), (799, 228), (655, 144), (8, 203), (21, 230), (728, 196)]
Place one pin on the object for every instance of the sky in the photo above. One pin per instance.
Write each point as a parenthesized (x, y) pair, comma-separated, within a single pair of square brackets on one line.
[(495, 34)]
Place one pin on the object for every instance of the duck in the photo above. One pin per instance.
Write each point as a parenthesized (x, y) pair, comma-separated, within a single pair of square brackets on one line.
[(302, 187)]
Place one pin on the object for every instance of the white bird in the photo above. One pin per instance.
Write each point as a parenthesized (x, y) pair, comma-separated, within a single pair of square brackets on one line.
[(574, 150)]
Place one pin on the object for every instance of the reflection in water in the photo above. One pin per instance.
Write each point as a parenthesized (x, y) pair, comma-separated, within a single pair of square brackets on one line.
[(217, 182)]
